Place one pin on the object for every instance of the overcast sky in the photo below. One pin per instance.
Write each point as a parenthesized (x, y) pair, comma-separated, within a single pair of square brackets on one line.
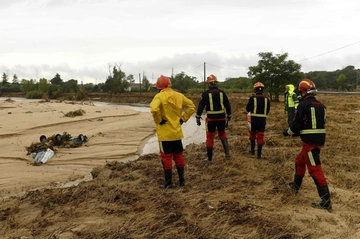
[(79, 39)]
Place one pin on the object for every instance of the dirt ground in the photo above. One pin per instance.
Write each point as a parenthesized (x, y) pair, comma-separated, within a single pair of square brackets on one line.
[(243, 197)]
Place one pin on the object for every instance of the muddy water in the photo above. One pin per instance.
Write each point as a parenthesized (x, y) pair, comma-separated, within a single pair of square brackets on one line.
[(192, 132)]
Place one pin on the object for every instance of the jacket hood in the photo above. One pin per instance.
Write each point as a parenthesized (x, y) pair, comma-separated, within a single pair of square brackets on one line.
[(291, 88), (174, 101)]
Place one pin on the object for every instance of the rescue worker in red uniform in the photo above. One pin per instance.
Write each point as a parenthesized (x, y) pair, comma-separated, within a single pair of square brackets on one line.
[(309, 123), (218, 110), (167, 111), (259, 107)]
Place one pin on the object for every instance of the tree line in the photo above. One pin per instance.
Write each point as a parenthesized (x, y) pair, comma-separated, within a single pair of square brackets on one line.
[(273, 70)]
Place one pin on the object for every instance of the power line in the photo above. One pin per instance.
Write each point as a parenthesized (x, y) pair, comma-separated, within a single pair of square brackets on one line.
[(196, 67), (330, 51), (235, 69)]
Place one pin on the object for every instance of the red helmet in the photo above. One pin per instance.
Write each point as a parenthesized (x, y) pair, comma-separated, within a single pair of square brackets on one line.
[(211, 79), (163, 82), (258, 86), (307, 86)]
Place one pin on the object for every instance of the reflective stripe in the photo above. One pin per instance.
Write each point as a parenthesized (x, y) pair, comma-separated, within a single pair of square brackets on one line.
[(313, 117), (255, 109), (211, 104), (313, 131), (290, 100), (161, 147), (266, 104), (255, 105), (215, 112), (311, 159), (259, 115)]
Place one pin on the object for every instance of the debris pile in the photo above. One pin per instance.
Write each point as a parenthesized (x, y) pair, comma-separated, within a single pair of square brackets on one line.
[(42, 151)]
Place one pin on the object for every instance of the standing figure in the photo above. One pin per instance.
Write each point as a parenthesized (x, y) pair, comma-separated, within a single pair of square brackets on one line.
[(259, 107), (167, 111), (309, 123), (218, 110), (290, 103)]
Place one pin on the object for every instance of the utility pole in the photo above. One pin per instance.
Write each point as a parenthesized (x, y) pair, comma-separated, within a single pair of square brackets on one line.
[(204, 76), (140, 82)]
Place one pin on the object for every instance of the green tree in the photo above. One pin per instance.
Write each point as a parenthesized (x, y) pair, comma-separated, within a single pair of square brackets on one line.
[(43, 86), (275, 71), (341, 80), (4, 79), (116, 82), (130, 78), (236, 84), (56, 80), (71, 86), (15, 79), (28, 85), (146, 84), (183, 82)]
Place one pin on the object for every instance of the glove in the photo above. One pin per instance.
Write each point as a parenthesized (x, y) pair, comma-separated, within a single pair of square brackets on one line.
[(181, 121), (227, 122), (198, 121), (285, 132), (162, 122)]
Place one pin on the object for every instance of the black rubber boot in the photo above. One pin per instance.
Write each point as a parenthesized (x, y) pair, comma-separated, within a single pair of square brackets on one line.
[(252, 147), (168, 179), (180, 171), (295, 185), (209, 154), (324, 194), (226, 148), (259, 155)]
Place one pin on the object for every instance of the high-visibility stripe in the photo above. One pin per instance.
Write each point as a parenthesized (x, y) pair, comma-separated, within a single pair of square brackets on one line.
[(266, 104), (313, 131), (255, 105), (290, 101), (259, 115), (211, 104), (313, 117), (311, 159), (161, 147), (255, 109), (215, 112)]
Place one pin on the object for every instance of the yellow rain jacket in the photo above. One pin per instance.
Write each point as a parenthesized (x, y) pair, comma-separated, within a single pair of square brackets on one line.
[(290, 99), (168, 105)]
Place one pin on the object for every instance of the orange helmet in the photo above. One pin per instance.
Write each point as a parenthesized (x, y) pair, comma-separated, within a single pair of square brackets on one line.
[(307, 86), (258, 86), (211, 79), (163, 82)]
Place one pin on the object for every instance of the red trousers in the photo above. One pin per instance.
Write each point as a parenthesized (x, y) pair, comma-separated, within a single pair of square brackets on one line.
[(258, 136), (211, 127), (309, 157)]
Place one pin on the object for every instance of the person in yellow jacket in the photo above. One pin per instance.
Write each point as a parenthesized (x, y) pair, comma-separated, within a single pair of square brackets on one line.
[(167, 111), (291, 102)]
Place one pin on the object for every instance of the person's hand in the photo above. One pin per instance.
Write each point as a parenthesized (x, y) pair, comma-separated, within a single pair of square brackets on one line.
[(227, 122), (198, 121), (162, 122), (181, 121), (285, 132)]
